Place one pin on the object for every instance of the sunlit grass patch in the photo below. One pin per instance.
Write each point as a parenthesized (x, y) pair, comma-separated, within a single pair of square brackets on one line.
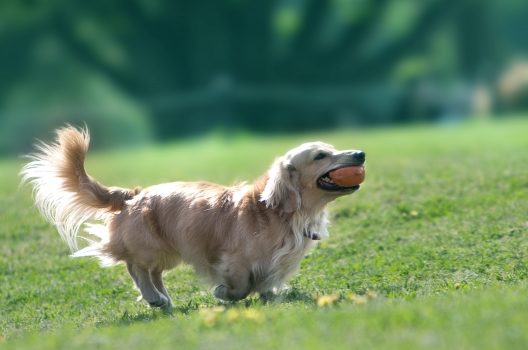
[(432, 252)]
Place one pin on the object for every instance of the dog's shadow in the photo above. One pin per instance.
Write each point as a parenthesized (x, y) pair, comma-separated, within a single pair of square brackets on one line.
[(149, 315)]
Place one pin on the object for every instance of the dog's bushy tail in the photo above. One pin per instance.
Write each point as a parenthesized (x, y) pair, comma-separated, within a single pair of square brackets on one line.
[(64, 193)]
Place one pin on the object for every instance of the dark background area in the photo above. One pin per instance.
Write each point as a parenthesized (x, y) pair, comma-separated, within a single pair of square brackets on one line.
[(142, 70)]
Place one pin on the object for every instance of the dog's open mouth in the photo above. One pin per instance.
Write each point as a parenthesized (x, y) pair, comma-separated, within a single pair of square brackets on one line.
[(327, 183)]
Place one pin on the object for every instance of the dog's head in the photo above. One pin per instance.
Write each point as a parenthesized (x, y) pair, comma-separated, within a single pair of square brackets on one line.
[(301, 178)]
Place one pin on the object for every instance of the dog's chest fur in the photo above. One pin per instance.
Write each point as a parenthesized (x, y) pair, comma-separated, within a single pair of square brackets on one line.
[(291, 246), (284, 262)]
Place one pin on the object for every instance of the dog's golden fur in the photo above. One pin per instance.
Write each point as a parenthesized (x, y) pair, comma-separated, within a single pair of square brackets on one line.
[(243, 239)]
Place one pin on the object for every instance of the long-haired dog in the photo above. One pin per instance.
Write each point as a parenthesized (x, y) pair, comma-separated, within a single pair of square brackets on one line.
[(243, 239)]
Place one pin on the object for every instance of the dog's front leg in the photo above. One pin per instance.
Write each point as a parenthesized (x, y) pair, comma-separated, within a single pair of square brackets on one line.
[(236, 285)]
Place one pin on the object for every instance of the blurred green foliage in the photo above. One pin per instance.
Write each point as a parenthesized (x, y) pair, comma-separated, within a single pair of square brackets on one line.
[(166, 68)]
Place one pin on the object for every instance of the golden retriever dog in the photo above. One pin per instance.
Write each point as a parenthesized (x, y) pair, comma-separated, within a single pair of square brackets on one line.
[(248, 238)]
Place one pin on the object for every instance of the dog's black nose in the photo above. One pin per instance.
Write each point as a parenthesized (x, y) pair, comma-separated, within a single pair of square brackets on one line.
[(359, 155)]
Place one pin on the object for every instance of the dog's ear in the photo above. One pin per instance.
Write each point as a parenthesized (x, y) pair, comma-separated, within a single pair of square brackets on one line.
[(282, 188)]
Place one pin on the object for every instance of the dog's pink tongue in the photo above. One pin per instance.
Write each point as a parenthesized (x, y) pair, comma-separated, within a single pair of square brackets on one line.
[(349, 176)]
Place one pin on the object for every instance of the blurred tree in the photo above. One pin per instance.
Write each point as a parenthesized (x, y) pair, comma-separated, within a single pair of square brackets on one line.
[(263, 64)]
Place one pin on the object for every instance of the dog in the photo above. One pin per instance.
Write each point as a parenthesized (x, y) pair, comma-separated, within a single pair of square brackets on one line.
[(247, 238)]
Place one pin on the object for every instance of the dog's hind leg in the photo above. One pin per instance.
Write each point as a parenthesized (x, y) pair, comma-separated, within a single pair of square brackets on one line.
[(157, 279), (148, 290), (132, 273)]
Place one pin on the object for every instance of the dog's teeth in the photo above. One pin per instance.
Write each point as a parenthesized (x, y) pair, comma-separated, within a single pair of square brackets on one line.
[(327, 180)]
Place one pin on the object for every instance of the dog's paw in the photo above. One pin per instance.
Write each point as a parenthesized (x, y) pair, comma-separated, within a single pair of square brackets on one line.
[(162, 302), (220, 292), (224, 293)]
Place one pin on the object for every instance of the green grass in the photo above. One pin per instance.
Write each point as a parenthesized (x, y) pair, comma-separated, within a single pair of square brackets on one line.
[(432, 252)]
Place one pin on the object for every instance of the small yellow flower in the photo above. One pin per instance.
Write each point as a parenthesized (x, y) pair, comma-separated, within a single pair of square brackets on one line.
[(210, 315), (371, 294), (326, 300), (413, 213), (357, 299), (253, 315), (218, 309), (232, 315)]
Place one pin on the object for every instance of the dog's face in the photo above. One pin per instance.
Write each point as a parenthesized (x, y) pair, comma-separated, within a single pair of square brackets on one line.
[(301, 176), (315, 160)]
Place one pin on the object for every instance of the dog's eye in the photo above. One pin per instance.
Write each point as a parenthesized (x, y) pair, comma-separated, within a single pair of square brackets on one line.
[(320, 155)]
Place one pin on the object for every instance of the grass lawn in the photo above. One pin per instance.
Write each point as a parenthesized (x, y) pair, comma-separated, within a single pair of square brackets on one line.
[(432, 252)]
